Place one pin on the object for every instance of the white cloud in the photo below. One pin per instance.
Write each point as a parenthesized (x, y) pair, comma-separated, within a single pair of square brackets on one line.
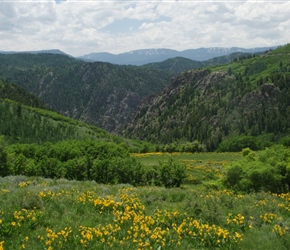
[(80, 27)]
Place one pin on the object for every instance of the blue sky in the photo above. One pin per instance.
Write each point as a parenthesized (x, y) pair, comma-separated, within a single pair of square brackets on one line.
[(79, 27), (129, 25)]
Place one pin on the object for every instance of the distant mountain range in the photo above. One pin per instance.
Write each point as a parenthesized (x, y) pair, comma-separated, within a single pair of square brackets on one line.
[(145, 56)]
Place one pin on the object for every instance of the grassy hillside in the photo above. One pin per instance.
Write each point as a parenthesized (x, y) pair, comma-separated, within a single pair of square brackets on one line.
[(24, 124), (249, 97)]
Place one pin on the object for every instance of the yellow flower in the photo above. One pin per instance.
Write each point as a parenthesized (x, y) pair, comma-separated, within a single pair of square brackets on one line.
[(1, 245), (48, 242)]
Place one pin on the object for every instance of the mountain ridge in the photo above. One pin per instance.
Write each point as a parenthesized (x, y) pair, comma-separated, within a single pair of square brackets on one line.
[(145, 56)]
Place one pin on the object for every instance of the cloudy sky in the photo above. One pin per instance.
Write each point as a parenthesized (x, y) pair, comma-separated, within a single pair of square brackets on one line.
[(79, 27)]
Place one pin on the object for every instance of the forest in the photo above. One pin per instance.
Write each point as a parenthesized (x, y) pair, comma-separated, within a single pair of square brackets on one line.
[(248, 97)]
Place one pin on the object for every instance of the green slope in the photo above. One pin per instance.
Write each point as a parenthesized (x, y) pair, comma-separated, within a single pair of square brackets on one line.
[(25, 119), (24, 124), (250, 96)]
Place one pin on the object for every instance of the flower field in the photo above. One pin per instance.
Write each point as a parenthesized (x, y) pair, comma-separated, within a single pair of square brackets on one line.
[(201, 167), (38, 213)]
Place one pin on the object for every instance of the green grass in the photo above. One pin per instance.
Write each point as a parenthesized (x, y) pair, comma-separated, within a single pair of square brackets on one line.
[(155, 158), (202, 168), (38, 213)]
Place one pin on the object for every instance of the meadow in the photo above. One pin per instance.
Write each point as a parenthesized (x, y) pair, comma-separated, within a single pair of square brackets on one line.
[(42, 213)]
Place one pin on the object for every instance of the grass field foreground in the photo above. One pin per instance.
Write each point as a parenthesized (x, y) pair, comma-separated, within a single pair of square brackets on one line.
[(39, 213)]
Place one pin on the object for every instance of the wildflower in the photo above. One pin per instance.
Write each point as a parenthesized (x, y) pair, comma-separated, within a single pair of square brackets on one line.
[(279, 230)]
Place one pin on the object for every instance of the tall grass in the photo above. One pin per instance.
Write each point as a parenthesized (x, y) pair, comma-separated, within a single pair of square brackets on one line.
[(39, 213)]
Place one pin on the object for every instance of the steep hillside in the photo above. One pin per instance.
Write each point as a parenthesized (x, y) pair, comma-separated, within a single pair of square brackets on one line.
[(101, 94), (250, 96), (20, 95)]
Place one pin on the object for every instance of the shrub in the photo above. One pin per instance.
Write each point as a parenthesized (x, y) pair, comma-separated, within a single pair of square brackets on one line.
[(172, 173), (267, 170), (238, 143), (234, 174), (31, 201), (103, 162), (246, 151), (285, 141)]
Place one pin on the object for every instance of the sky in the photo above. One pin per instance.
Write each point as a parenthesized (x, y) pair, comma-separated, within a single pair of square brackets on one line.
[(79, 27)]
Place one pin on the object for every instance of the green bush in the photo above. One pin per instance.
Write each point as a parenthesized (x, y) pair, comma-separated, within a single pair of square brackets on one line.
[(285, 141), (246, 151), (267, 170), (234, 174), (238, 143), (172, 173), (102, 162), (68, 159)]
